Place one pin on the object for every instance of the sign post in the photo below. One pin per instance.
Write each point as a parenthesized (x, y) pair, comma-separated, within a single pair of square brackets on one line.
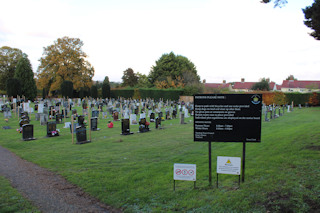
[(187, 172), (227, 118)]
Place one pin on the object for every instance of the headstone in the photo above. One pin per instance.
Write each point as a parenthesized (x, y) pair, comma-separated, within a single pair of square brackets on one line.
[(52, 129), (95, 113), (43, 119), (81, 120), (182, 119), (37, 116), (133, 119), (59, 118), (105, 115), (115, 116), (152, 117), (81, 134), (27, 132), (158, 123), (94, 124), (67, 125), (143, 126), (125, 127)]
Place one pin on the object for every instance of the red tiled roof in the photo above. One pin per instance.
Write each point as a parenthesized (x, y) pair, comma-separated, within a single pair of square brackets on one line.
[(299, 84), (216, 85), (243, 85)]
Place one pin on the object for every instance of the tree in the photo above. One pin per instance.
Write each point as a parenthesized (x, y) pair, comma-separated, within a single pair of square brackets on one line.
[(291, 77), (279, 98), (106, 88), (143, 81), (172, 67), (67, 89), (25, 75), (8, 61), (94, 91), (262, 85), (313, 100), (312, 16), (64, 61), (13, 87), (129, 78)]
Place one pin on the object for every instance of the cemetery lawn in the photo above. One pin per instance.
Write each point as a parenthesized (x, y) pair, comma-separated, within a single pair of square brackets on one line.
[(135, 172), (11, 200)]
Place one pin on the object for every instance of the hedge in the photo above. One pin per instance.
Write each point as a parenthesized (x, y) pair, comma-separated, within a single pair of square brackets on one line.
[(298, 98), (171, 94)]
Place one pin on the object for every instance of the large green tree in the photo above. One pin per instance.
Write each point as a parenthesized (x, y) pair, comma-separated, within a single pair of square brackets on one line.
[(129, 78), (64, 61), (9, 58), (25, 75), (13, 87), (67, 89), (171, 67), (94, 91), (262, 85), (312, 16), (106, 88)]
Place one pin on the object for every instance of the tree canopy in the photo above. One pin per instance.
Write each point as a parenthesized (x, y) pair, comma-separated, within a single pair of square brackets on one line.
[(106, 88), (8, 61), (312, 16), (67, 89), (173, 68), (64, 61), (262, 85), (25, 75), (129, 78)]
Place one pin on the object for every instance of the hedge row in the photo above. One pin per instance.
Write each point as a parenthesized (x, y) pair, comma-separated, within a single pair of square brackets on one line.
[(296, 98), (170, 94)]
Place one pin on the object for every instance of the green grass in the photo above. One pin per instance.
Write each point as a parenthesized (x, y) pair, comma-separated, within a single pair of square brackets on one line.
[(11, 200), (135, 172)]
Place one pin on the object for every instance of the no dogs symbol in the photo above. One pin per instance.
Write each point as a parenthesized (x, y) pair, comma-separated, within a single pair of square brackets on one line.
[(191, 172)]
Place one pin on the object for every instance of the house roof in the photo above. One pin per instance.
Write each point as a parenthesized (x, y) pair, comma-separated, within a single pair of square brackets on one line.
[(243, 85), (300, 84), (216, 85)]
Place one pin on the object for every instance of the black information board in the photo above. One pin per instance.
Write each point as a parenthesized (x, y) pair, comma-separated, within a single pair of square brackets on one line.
[(227, 117)]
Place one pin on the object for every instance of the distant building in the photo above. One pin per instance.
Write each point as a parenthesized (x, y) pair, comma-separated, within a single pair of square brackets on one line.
[(222, 85), (300, 86)]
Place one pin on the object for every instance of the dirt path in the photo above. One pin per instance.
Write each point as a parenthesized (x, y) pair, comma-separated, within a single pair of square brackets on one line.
[(48, 191)]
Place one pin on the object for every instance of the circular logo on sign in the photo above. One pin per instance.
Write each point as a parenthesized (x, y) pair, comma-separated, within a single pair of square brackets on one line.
[(184, 172), (255, 99)]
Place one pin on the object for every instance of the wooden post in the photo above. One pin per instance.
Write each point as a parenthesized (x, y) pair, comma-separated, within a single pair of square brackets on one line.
[(72, 128), (89, 118)]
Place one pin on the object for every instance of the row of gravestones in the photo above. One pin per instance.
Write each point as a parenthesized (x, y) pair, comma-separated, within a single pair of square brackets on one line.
[(272, 112)]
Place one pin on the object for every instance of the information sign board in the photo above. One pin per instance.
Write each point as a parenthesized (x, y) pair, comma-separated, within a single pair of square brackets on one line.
[(228, 165), (184, 172), (227, 117)]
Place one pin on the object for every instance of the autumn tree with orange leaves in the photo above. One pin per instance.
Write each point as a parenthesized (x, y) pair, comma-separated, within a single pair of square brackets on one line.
[(64, 61)]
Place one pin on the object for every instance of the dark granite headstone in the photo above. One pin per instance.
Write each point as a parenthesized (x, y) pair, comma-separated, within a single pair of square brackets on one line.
[(27, 132), (52, 129), (125, 127)]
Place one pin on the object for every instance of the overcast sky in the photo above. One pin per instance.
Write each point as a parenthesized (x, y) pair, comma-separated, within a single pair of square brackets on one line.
[(226, 40)]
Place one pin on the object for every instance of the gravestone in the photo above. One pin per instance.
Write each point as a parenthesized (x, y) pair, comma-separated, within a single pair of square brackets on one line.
[(94, 124), (43, 119), (182, 119), (95, 113), (27, 132), (133, 119), (67, 125), (105, 115), (37, 116), (81, 134), (125, 127), (158, 123), (75, 125), (115, 116), (174, 114), (266, 115), (152, 117), (52, 129), (59, 118), (143, 126), (81, 120)]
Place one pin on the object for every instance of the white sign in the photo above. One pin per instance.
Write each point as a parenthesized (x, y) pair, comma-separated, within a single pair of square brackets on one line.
[(229, 165), (184, 172)]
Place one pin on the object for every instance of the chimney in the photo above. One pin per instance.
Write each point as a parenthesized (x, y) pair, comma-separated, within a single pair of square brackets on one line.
[(204, 81), (242, 80), (224, 81)]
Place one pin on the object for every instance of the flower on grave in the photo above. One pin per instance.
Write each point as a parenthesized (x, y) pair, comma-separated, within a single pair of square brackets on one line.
[(6, 120)]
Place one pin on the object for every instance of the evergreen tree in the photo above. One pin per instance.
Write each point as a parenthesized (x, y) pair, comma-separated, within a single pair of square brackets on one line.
[(13, 87), (67, 89), (25, 75), (94, 91), (106, 88)]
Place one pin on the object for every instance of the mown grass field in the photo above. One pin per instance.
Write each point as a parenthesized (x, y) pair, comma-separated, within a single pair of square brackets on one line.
[(135, 172)]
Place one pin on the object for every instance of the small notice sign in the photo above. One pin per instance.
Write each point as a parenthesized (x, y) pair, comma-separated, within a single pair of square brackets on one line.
[(184, 172), (229, 165)]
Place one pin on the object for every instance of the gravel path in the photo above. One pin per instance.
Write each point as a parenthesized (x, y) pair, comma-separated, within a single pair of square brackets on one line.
[(48, 191)]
